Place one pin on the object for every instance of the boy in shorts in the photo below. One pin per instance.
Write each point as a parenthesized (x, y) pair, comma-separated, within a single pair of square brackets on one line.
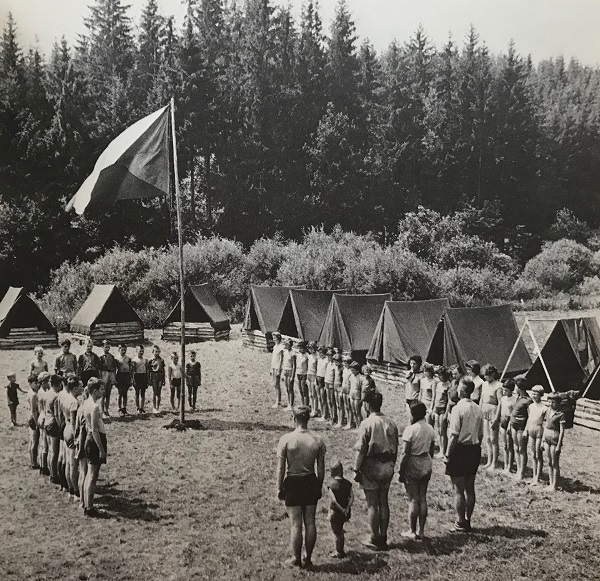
[(345, 397), (337, 389), (288, 370), (341, 497), (356, 385), (329, 381), (506, 405), (157, 377), (302, 372), (34, 431), (124, 377), (311, 378), (141, 374), (193, 371), (44, 383), (276, 360), (554, 433), (174, 373), (108, 376), (12, 396)]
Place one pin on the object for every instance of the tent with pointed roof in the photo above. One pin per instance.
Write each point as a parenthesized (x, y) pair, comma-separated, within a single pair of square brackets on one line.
[(22, 323), (571, 355), (106, 314), (405, 328), (204, 317), (263, 313), (304, 313), (486, 334), (351, 321)]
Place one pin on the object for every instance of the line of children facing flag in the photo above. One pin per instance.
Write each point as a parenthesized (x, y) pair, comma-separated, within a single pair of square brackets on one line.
[(67, 408), (334, 387)]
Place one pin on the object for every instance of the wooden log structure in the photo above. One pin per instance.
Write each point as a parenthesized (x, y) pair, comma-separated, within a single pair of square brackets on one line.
[(388, 372), (587, 414), (130, 333), (256, 340), (194, 332), (28, 337)]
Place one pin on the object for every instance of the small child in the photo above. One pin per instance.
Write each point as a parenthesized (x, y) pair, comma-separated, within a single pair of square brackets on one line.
[(174, 373), (518, 421), (108, 376), (66, 362), (141, 373), (12, 396), (34, 432), (535, 431), (157, 377), (38, 364), (439, 407), (341, 498), (193, 371), (124, 377)]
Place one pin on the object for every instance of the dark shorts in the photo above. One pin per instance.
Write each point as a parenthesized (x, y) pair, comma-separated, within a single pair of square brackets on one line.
[(338, 520), (176, 384), (301, 490), (88, 374), (157, 382), (193, 381), (123, 380), (140, 381), (320, 382), (519, 425), (504, 422), (52, 430), (92, 453), (464, 460)]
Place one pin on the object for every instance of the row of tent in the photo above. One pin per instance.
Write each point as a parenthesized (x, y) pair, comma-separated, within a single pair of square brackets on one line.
[(106, 314), (387, 333)]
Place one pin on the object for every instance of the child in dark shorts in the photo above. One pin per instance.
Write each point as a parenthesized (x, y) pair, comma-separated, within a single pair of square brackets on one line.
[(341, 498), (194, 379), (12, 396)]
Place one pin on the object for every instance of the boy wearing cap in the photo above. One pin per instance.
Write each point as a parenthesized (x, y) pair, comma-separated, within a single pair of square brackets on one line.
[(506, 405), (554, 433), (535, 431), (302, 372), (108, 376), (276, 360), (288, 371), (341, 498)]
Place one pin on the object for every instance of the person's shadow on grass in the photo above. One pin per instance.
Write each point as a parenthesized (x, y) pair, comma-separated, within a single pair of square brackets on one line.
[(117, 504), (355, 563)]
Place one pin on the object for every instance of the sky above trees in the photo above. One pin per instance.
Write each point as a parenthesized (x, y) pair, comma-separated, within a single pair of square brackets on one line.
[(543, 29)]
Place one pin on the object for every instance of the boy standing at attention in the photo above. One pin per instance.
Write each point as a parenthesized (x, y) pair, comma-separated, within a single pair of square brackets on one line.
[(329, 381), (302, 372), (288, 370), (34, 431), (141, 373), (108, 376), (321, 392), (66, 362), (124, 377), (157, 377), (12, 396), (194, 379), (276, 359), (88, 364), (174, 373), (341, 498)]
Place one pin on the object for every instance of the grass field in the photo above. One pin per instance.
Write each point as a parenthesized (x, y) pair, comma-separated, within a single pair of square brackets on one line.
[(201, 504)]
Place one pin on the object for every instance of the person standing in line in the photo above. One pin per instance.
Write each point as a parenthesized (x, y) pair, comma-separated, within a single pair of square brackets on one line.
[(464, 453), (491, 394), (34, 411), (439, 407), (312, 379), (174, 373), (412, 385), (44, 382), (518, 421), (376, 453), (108, 376), (288, 371), (473, 368), (124, 377), (554, 433), (297, 484), (321, 391), (416, 467), (194, 379), (141, 375), (427, 390), (95, 444), (506, 405), (52, 427), (157, 377), (302, 372), (276, 361), (88, 363), (356, 393), (535, 431), (38, 365), (66, 362), (330, 370)]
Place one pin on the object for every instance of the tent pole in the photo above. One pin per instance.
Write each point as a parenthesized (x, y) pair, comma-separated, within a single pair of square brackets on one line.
[(513, 349), (181, 270), (539, 352)]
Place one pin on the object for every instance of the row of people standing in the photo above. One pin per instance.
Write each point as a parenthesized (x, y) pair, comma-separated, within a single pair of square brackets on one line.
[(330, 384), (123, 372)]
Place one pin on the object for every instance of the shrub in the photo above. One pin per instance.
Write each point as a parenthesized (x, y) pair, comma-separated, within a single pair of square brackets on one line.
[(472, 287), (560, 266), (264, 260), (472, 251)]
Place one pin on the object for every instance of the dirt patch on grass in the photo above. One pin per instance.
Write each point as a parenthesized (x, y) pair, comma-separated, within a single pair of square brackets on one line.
[(201, 503)]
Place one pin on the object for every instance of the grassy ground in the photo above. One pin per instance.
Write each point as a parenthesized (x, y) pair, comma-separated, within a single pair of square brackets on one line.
[(201, 504)]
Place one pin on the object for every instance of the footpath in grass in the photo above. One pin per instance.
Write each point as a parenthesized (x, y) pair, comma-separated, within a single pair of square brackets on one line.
[(201, 504)]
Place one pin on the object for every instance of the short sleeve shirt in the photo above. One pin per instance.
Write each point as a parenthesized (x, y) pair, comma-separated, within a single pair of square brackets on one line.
[(276, 356), (330, 372), (490, 392), (321, 366), (553, 419), (412, 385), (520, 411), (312, 364), (421, 437), (288, 359), (466, 422), (377, 434), (302, 363), (301, 449)]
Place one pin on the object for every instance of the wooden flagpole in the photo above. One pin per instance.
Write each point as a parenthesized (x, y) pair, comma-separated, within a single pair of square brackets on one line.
[(181, 270)]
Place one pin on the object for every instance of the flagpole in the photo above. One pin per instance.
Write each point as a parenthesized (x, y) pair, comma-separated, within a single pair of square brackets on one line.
[(181, 271)]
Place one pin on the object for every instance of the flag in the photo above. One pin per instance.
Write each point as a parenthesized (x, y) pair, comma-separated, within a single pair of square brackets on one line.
[(134, 165)]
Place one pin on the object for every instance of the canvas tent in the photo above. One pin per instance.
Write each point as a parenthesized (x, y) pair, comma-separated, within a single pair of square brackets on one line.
[(405, 328), (263, 313), (22, 323), (304, 313), (106, 314), (351, 321), (487, 334), (204, 318), (569, 356)]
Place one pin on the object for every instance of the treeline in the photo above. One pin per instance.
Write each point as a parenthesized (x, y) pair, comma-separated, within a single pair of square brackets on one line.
[(433, 256), (283, 125)]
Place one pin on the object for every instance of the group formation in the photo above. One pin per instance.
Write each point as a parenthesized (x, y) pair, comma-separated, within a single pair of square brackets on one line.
[(453, 409), (68, 406)]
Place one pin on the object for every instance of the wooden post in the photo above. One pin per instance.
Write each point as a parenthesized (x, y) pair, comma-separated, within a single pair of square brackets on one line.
[(181, 270)]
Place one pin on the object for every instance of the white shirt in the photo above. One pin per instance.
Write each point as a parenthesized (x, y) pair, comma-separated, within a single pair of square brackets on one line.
[(466, 422)]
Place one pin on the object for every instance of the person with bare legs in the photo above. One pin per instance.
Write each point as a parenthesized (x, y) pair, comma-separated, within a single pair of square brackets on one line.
[(95, 443), (276, 360), (299, 486), (321, 391), (535, 431), (554, 433), (288, 371), (506, 405), (302, 372), (416, 467), (412, 385), (464, 453), (491, 394), (518, 421), (311, 379), (80, 437), (52, 427), (341, 498), (376, 453)]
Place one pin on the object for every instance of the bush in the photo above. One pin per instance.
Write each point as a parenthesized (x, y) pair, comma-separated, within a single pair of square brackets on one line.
[(264, 260), (473, 252), (474, 287), (560, 266)]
